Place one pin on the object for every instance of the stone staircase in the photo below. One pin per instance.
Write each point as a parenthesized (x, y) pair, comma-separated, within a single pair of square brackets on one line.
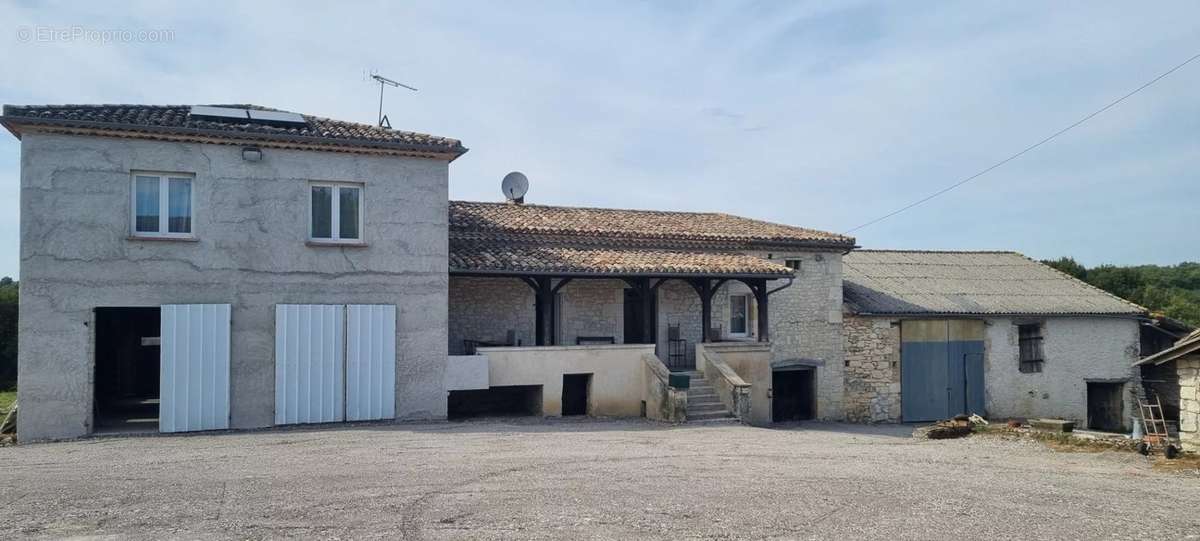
[(703, 405)]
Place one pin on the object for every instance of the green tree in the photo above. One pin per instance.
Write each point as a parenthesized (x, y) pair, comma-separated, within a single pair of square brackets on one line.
[(1172, 290), (1069, 266), (8, 333)]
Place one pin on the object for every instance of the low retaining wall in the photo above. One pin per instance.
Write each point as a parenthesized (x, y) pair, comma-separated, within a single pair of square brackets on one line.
[(751, 361), (620, 375), (663, 402), (733, 391)]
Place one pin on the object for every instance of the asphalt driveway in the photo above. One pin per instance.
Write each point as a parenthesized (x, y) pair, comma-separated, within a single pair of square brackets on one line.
[(587, 479)]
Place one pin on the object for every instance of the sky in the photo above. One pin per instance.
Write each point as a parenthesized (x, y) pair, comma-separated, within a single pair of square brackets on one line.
[(821, 115)]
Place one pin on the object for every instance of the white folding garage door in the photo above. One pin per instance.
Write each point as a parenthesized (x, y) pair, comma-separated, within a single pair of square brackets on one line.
[(334, 362), (194, 367), (370, 362), (308, 363)]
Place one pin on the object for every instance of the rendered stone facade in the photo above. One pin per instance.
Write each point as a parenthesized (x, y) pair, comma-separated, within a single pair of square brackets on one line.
[(250, 251), (1076, 349), (872, 369)]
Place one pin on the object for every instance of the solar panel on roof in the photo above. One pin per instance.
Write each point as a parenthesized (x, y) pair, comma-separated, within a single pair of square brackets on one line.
[(218, 113), (280, 117)]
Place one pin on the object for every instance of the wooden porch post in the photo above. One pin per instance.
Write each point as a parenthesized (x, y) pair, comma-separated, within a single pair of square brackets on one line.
[(760, 295), (545, 311), (706, 289)]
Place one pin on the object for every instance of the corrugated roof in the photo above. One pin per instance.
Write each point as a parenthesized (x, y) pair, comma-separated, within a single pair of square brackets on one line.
[(897, 282), (174, 122), (1185, 346), (630, 227)]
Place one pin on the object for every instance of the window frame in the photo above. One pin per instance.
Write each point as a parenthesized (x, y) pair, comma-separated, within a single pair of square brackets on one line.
[(335, 209), (1036, 342), (164, 205), (793, 263), (745, 333)]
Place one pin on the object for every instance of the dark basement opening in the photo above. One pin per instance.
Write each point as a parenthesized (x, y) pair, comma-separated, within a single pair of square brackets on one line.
[(794, 395), (506, 401), (127, 366), (575, 394)]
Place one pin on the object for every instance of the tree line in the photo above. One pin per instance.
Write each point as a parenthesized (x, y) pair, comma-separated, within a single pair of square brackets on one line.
[(1170, 290), (8, 334)]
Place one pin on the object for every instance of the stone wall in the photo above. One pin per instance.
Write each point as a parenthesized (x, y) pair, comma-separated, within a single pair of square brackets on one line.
[(486, 309), (678, 304), (806, 323), (592, 308), (1189, 402), (872, 369), (250, 251)]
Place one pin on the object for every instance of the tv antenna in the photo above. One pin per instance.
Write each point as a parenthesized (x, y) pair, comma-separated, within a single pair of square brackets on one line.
[(384, 81)]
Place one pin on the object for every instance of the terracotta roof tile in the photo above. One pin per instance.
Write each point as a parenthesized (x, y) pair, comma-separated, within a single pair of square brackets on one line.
[(630, 227), (151, 120), (553, 258)]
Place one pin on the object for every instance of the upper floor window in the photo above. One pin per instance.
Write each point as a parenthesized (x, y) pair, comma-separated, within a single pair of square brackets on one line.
[(793, 264), (335, 212), (162, 205), (1029, 341)]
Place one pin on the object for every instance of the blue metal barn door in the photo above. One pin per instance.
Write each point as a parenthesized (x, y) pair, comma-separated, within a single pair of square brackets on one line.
[(924, 372), (941, 369)]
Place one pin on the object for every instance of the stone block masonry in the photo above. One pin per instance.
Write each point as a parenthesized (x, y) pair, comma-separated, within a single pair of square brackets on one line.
[(1189, 402), (872, 369)]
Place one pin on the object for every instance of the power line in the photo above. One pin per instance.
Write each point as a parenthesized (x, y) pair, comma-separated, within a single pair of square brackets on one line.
[(1027, 149)]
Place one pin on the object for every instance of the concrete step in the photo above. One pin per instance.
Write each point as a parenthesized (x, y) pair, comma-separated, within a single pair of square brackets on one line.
[(711, 399), (715, 420), (710, 416), (704, 410)]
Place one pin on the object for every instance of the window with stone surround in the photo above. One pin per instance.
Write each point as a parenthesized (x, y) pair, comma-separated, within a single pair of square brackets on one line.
[(793, 264), (1029, 342)]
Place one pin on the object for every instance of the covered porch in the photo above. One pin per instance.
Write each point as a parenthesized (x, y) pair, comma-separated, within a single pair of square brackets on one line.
[(547, 295)]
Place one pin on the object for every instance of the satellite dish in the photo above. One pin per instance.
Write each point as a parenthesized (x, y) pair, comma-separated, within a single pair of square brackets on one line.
[(514, 186)]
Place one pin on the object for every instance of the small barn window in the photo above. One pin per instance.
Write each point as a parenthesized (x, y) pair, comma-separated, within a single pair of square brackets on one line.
[(1030, 345), (793, 264)]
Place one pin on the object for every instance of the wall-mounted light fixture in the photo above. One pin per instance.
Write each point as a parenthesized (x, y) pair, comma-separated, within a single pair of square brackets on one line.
[(252, 154)]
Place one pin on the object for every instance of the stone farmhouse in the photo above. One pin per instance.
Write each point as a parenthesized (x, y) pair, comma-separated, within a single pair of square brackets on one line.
[(188, 268)]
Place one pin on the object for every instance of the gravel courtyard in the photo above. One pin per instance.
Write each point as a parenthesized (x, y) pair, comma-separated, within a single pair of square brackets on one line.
[(587, 479)]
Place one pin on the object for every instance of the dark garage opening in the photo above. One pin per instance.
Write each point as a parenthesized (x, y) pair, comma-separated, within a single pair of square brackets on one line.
[(1104, 405), (793, 395), (127, 365), (508, 401), (575, 393)]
